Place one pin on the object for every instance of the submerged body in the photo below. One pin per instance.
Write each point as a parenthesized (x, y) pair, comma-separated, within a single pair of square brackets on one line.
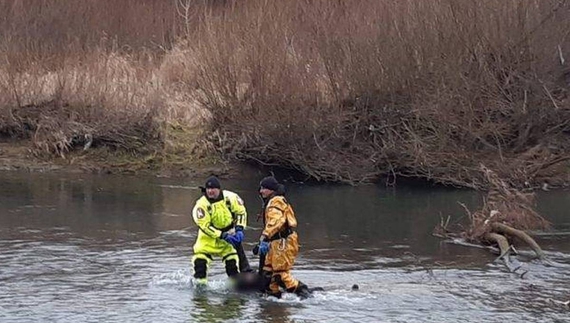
[(252, 282)]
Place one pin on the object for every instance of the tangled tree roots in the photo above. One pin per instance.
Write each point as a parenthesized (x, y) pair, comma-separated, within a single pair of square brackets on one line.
[(503, 219)]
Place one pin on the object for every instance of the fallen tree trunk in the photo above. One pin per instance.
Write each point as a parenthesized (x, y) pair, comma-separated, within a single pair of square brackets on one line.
[(500, 240), (505, 229), (505, 214)]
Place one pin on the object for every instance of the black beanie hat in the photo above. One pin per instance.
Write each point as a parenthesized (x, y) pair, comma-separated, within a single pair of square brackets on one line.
[(213, 182), (269, 182)]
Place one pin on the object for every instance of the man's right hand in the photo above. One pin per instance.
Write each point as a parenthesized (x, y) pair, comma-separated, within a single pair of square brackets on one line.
[(237, 238)]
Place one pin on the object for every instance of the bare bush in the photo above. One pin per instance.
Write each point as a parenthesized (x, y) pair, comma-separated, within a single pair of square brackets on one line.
[(51, 28), (506, 216), (344, 91), (97, 73), (506, 205), (100, 99), (352, 90)]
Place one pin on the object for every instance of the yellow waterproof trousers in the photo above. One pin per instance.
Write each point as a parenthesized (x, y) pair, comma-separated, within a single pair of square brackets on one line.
[(207, 247)]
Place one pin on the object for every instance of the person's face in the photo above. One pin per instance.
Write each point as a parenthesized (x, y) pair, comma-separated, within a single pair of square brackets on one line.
[(212, 193), (265, 192)]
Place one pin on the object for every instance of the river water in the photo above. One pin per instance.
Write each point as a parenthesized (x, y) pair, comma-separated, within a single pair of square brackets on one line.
[(77, 248)]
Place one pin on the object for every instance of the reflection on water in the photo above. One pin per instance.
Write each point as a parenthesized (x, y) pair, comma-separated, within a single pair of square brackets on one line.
[(209, 309), (117, 249)]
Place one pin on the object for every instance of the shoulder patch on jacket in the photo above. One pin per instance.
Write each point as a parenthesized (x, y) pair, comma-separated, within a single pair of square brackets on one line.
[(200, 214)]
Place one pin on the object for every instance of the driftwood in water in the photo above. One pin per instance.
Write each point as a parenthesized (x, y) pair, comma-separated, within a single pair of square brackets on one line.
[(505, 214), (500, 240), (506, 230)]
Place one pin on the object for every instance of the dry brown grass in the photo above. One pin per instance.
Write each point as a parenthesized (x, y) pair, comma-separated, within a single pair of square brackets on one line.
[(78, 74), (101, 98), (352, 90), (341, 90)]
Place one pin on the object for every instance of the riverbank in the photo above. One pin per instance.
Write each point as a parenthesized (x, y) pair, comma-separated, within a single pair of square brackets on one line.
[(21, 156), (435, 92)]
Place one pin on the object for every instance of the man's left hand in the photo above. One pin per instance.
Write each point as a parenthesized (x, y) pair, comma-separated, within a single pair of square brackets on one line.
[(263, 247), (236, 238)]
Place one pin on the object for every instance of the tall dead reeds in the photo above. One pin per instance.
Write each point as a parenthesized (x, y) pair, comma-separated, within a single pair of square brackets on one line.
[(83, 74), (342, 90), (352, 90)]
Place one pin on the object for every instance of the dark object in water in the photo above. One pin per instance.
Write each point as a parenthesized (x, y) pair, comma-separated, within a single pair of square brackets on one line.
[(247, 282), (355, 287), (259, 282), (252, 282)]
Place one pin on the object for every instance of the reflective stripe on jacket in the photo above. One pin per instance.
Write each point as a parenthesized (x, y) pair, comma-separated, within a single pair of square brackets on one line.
[(215, 218)]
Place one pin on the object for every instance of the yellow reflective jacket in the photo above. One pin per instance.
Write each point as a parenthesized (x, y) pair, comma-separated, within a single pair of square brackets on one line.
[(278, 216), (220, 216)]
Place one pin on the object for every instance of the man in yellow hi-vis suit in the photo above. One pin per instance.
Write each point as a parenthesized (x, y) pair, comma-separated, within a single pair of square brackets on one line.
[(279, 242), (221, 218)]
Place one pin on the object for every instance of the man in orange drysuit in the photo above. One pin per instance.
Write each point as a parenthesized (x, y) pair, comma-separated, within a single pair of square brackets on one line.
[(278, 241)]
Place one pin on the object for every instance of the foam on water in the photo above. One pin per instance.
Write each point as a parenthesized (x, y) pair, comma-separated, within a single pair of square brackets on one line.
[(179, 279)]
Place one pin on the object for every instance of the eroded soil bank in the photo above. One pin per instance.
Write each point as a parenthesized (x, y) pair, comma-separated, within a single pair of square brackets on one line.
[(349, 92), (20, 156)]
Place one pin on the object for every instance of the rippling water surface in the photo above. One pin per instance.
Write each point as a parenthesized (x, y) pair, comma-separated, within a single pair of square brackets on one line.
[(117, 249)]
